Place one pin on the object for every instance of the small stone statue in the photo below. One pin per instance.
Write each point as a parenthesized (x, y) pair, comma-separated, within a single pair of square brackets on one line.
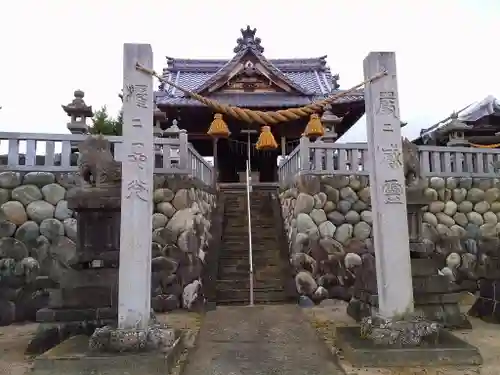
[(96, 163), (411, 163)]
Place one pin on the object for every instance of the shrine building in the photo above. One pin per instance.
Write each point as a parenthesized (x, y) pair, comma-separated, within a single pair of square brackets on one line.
[(250, 80)]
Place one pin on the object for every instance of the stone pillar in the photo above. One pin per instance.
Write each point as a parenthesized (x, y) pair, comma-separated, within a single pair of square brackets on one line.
[(387, 187), (137, 188)]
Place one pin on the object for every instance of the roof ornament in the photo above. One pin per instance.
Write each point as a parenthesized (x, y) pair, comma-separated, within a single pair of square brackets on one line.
[(248, 40), (335, 80)]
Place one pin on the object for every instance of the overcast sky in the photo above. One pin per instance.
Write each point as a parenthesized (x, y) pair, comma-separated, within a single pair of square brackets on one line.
[(447, 51)]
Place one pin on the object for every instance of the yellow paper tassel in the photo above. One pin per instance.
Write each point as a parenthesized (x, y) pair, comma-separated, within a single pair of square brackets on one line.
[(266, 140), (218, 127), (314, 127)]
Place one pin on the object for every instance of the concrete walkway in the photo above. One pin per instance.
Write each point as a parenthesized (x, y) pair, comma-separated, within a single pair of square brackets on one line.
[(261, 340)]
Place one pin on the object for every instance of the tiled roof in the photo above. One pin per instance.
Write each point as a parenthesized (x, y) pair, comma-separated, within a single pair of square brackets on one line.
[(469, 114), (310, 77), (256, 100)]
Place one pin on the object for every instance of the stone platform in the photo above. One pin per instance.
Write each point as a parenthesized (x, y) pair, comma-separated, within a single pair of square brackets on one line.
[(72, 357), (433, 294), (449, 350)]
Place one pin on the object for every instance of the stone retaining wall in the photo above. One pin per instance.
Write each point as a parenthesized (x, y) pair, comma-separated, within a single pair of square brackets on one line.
[(328, 221), (38, 234)]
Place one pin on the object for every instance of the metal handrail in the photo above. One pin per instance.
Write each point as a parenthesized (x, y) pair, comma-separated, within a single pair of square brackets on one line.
[(250, 255)]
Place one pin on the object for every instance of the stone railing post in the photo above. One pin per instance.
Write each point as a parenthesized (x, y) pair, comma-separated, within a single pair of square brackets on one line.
[(183, 151), (304, 153)]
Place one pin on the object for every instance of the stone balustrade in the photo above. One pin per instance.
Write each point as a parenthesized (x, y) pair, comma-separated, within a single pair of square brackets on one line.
[(323, 158), (53, 153), (38, 233), (328, 220)]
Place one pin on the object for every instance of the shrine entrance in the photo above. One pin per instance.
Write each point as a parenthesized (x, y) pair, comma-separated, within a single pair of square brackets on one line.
[(232, 155)]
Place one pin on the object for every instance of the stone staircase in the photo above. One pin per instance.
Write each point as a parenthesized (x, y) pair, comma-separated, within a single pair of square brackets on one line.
[(270, 264)]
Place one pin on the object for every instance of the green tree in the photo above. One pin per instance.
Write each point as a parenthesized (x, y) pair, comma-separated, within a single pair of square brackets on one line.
[(103, 123)]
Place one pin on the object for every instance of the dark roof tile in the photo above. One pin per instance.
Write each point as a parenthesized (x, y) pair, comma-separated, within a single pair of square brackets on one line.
[(255, 100), (310, 77)]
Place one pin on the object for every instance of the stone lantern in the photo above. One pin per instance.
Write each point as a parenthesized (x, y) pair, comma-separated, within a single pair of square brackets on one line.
[(176, 133), (329, 120), (78, 111), (455, 131)]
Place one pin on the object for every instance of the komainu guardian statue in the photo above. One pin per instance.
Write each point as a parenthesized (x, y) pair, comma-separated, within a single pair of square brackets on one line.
[(411, 163), (96, 163)]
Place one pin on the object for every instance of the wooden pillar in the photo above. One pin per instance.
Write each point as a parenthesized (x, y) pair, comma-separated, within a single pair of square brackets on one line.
[(387, 187), (137, 189)]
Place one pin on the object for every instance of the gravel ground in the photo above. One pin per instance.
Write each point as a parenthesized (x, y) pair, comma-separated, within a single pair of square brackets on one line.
[(485, 336), (15, 338)]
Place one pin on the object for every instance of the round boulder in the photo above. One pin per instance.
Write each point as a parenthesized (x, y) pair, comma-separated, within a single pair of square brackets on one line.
[(26, 194), (39, 179), (14, 212), (40, 210), (28, 232), (51, 228), (53, 193)]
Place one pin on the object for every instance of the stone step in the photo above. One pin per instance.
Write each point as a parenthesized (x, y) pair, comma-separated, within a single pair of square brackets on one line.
[(242, 203), (258, 248), (243, 225), (243, 253), (257, 237), (258, 258), (236, 210), (241, 273), (235, 239), (242, 249), (244, 264), (238, 231), (268, 284), (243, 295), (241, 245), (243, 222), (242, 276), (235, 235), (258, 262), (265, 232), (242, 218)]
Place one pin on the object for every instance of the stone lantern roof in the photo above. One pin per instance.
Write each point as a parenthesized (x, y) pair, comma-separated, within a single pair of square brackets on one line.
[(78, 108), (455, 125)]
